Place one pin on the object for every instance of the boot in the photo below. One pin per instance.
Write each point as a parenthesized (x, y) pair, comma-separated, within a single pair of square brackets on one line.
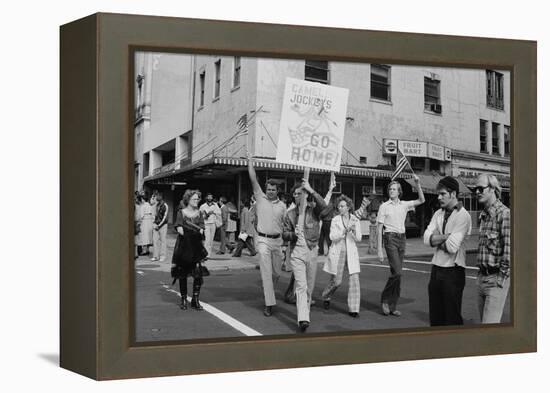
[(183, 304), (195, 302)]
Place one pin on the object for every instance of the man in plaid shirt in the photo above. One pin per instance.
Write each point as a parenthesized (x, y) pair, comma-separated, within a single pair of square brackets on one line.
[(493, 258)]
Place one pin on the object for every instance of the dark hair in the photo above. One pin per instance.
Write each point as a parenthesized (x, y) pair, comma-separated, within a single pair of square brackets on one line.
[(294, 188), (246, 202), (188, 194), (209, 194), (346, 199), (273, 182)]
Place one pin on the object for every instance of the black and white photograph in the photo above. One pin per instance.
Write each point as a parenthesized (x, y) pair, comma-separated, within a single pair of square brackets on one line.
[(282, 196)]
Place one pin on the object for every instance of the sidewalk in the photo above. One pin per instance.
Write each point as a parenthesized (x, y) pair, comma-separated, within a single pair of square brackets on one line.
[(415, 249)]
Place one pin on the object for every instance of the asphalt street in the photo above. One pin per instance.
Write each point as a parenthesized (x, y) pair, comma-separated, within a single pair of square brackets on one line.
[(233, 302)]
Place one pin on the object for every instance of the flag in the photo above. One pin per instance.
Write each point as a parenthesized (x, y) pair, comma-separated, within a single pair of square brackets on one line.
[(401, 164), (242, 124)]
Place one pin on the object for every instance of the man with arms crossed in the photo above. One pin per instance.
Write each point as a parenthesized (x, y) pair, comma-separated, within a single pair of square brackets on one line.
[(447, 231), (493, 258), (391, 225), (270, 212)]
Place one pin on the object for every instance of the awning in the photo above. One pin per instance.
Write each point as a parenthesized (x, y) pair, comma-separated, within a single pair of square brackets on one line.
[(272, 164), (429, 184), (212, 162)]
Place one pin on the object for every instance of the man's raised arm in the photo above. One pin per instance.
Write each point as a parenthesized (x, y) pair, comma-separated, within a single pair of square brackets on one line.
[(253, 178)]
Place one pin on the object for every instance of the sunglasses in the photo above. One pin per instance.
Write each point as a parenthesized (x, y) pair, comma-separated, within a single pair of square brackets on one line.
[(480, 189)]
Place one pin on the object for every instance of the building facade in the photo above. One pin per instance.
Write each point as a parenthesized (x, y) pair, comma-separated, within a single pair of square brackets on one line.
[(192, 111)]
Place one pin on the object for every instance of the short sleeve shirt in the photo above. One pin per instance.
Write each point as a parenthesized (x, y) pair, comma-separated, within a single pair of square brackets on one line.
[(270, 215), (393, 215)]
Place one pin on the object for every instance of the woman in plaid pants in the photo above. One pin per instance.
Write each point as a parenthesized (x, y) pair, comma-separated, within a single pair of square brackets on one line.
[(345, 231)]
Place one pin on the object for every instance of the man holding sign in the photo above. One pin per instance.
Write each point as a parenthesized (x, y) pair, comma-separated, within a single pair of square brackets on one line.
[(313, 118), (301, 229)]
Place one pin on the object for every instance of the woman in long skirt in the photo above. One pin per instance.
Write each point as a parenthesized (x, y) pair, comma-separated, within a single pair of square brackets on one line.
[(147, 218), (345, 231), (189, 251)]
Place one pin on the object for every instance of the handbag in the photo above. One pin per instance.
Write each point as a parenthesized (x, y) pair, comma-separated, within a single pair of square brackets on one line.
[(204, 271)]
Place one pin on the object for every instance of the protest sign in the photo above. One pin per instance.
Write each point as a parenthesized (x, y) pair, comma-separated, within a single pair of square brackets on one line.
[(313, 120)]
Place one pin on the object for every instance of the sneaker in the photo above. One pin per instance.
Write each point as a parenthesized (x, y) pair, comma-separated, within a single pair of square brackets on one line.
[(303, 326), (385, 309), (268, 311), (154, 259), (395, 313), (161, 260)]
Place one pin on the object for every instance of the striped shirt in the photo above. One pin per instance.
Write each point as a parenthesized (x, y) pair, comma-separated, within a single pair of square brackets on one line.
[(495, 238)]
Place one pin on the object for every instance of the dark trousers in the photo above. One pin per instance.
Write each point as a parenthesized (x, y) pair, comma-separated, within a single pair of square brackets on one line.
[(324, 236), (445, 294), (394, 243), (248, 244), (223, 239), (197, 283)]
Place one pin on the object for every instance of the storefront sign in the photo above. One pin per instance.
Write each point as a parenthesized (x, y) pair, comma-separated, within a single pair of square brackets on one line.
[(436, 152), (448, 155), (413, 149), (390, 146), (312, 125)]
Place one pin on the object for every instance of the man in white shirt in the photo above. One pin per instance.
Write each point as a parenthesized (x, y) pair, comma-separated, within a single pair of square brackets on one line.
[(447, 231), (391, 228), (211, 213)]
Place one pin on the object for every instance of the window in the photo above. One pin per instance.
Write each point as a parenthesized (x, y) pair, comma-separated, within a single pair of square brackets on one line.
[(217, 69), (495, 139), (146, 164), (317, 71), (506, 140), (417, 163), (483, 136), (432, 99), (236, 71), (202, 78), (380, 82), (495, 89)]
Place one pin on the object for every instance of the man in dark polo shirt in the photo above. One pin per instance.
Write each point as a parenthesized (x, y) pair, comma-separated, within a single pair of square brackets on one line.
[(270, 212)]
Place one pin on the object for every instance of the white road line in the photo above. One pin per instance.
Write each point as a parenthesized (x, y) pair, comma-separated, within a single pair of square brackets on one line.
[(406, 269), (241, 327), (429, 263)]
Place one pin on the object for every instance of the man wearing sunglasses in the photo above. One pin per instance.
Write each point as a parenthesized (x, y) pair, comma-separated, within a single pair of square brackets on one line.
[(493, 256)]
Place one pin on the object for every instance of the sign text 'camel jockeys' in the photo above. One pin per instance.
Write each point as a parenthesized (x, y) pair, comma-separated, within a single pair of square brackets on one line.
[(312, 125)]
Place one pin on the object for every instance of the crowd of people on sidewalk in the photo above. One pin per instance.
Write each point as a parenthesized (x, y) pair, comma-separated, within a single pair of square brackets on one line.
[(295, 234)]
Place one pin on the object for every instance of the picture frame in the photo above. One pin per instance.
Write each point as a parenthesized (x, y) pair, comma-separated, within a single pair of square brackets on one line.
[(96, 178)]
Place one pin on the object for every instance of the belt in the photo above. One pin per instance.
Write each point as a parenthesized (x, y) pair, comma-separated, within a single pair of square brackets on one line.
[(488, 270), (269, 236), (394, 234)]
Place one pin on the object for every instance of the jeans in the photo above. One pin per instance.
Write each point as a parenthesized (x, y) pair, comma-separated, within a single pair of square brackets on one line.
[(491, 298), (445, 295), (395, 248), (223, 239), (241, 244), (159, 242)]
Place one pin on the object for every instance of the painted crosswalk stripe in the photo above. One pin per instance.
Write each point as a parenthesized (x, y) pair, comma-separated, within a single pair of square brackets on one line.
[(241, 327), (407, 269)]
